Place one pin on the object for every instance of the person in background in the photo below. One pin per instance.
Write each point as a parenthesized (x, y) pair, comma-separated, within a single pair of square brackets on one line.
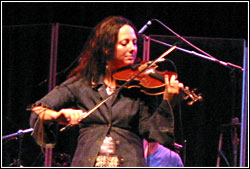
[(112, 135), (157, 155)]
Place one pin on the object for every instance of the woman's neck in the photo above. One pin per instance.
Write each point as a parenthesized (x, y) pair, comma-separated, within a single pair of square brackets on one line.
[(108, 79)]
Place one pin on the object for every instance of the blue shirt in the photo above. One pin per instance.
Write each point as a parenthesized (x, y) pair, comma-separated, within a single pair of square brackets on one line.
[(164, 157)]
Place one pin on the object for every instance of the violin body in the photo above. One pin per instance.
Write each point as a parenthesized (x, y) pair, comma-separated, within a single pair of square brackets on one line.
[(151, 82)]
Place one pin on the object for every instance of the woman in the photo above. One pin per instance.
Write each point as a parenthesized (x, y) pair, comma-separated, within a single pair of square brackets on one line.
[(111, 135)]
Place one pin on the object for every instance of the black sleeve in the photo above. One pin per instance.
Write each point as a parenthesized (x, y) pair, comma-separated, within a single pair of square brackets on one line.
[(157, 122)]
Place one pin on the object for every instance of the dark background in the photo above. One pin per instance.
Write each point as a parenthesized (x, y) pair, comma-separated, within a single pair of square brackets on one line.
[(219, 19), (220, 29)]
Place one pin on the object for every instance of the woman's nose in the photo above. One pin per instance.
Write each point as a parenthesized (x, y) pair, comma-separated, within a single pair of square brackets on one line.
[(132, 46)]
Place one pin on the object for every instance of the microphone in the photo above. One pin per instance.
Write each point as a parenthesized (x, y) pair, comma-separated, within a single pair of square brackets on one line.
[(145, 27)]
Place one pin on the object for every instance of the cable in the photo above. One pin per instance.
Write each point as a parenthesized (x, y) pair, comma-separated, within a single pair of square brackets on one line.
[(179, 36)]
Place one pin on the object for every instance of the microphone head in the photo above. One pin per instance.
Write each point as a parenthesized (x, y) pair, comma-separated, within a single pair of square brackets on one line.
[(149, 22)]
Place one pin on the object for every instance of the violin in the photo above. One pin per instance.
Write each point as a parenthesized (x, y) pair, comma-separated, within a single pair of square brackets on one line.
[(150, 82)]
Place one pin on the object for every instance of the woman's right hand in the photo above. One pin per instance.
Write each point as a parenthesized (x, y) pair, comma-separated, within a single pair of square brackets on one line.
[(66, 116), (72, 116)]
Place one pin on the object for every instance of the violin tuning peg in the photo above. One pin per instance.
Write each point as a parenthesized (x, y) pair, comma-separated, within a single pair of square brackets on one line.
[(191, 103), (193, 91), (200, 97), (186, 88)]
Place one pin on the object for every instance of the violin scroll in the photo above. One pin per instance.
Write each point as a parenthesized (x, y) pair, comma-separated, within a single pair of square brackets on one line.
[(191, 94)]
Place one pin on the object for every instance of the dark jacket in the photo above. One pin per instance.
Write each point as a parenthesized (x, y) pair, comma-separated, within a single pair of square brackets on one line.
[(128, 117)]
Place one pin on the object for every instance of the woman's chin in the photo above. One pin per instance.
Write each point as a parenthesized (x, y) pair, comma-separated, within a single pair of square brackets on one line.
[(129, 62)]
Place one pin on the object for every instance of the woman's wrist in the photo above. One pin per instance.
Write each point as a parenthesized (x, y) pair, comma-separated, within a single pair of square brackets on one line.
[(46, 114)]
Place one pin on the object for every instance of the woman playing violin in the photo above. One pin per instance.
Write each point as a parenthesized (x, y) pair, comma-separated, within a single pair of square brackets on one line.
[(113, 134)]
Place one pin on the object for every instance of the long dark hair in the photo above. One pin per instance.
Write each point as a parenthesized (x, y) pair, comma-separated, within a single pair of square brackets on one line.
[(99, 48)]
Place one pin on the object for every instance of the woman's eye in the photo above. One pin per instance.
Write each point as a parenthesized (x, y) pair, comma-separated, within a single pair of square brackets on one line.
[(124, 43)]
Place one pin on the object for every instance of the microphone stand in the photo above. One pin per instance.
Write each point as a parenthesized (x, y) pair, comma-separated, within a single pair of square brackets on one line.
[(204, 56), (18, 135)]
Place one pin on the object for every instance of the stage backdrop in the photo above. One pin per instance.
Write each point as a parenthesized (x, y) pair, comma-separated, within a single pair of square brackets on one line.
[(26, 71)]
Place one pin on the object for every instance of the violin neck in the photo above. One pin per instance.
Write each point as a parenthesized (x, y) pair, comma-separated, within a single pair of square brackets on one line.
[(157, 75)]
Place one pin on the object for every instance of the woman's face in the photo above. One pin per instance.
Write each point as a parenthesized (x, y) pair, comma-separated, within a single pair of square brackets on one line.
[(126, 47)]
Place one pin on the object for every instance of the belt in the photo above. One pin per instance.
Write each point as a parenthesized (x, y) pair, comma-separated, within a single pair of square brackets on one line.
[(107, 156)]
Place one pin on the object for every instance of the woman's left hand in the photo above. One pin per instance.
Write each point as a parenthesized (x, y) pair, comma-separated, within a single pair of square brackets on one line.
[(173, 87)]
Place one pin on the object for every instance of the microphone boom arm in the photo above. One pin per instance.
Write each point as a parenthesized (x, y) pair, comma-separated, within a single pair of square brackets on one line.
[(208, 56), (227, 64)]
